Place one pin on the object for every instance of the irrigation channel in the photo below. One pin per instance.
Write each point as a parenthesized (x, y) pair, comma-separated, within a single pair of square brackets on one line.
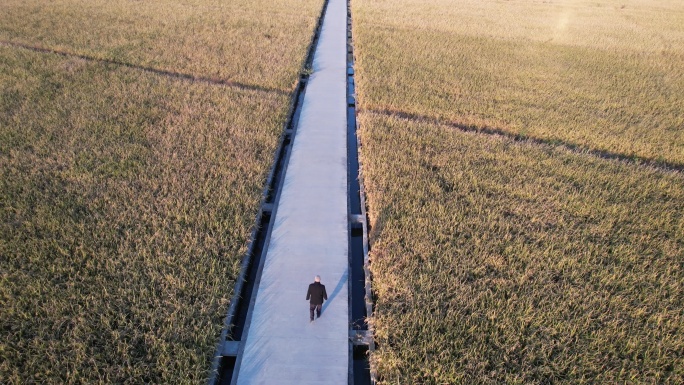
[(233, 363)]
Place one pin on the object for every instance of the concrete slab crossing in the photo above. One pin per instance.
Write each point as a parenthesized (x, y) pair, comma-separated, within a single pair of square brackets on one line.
[(309, 237)]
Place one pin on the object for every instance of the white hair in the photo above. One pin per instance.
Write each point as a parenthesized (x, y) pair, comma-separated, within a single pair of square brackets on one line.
[(317, 278)]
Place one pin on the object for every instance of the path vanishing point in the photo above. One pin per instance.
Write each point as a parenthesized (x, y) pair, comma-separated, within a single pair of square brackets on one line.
[(310, 236)]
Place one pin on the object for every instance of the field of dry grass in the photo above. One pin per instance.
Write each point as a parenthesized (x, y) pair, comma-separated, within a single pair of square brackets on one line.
[(127, 196), (255, 42), (497, 260), (603, 75)]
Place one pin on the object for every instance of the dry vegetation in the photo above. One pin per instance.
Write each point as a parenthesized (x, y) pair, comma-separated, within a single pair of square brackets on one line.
[(502, 262), (499, 261), (127, 196), (257, 42), (127, 200), (604, 75)]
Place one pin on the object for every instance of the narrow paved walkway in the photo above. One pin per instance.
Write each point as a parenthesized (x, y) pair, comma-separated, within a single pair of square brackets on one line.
[(309, 237)]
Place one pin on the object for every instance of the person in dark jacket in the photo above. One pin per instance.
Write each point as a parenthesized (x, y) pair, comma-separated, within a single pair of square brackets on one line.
[(316, 295)]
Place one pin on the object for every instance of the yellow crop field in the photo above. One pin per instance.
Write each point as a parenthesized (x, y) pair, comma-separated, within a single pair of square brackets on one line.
[(600, 75), (260, 43), (127, 193), (497, 262), (504, 249)]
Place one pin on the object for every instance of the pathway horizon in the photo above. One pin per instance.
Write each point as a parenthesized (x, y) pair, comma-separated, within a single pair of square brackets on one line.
[(310, 237)]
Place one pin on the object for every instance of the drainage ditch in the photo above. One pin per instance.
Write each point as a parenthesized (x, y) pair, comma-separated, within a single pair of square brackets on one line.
[(361, 304), (360, 295)]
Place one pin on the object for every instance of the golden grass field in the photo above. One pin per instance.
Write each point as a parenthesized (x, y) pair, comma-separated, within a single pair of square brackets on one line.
[(127, 196), (601, 75), (500, 260), (260, 42)]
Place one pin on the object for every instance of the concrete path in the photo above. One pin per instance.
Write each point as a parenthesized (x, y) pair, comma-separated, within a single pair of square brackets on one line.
[(309, 237)]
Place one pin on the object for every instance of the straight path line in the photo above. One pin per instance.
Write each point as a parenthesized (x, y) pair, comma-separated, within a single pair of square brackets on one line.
[(156, 71), (310, 236), (575, 148)]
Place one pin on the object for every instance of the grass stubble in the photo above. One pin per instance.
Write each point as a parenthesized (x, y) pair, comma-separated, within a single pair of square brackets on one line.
[(127, 197), (496, 260)]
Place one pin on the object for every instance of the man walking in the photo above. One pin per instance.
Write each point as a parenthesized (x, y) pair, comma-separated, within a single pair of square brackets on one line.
[(316, 295)]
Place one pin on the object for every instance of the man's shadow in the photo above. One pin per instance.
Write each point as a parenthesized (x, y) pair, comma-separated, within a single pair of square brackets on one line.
[(340, 284)]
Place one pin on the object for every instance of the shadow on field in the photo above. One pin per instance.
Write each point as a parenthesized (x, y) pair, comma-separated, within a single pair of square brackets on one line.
[(157, 71), (654, 163)]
